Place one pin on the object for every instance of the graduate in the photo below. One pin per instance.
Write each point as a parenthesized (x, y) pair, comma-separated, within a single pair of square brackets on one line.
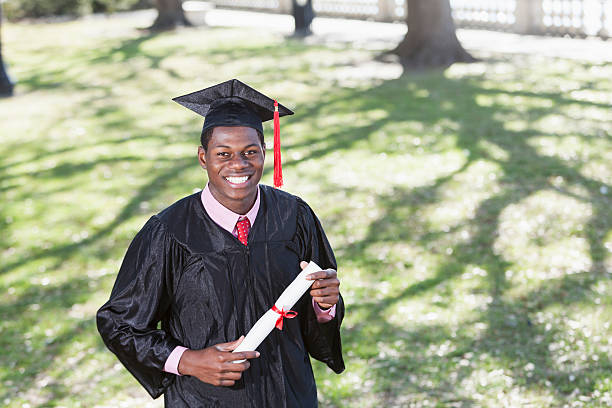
[(200, 273)]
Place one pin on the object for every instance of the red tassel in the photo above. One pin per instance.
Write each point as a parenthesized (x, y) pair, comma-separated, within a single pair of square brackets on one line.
[(278, 167)]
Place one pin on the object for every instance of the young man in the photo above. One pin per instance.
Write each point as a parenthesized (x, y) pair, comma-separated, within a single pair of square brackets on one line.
[(210, 265)]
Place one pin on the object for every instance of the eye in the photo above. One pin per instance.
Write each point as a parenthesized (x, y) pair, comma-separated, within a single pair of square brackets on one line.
[(223, 154), (249, 153)]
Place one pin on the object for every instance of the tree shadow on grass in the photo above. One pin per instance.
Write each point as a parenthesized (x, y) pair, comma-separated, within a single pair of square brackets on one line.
[(513, 335), (30, 351), (114, 52), (120, 53), (54, 300), (62, 251)]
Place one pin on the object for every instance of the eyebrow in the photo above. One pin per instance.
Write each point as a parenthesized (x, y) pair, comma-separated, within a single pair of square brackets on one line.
[(229, 147)]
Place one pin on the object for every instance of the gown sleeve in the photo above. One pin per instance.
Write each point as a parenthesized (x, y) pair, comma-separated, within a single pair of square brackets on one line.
[(322, 340), (141, 296)]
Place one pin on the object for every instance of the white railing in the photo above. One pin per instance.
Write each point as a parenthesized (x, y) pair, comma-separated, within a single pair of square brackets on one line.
[(271, 5), (495, 14), (576, 18)]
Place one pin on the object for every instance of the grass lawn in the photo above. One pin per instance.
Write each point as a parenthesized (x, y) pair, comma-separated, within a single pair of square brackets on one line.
[(470, 209)]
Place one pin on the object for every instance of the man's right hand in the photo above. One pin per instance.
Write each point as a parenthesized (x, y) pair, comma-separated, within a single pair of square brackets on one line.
[(215, 365)]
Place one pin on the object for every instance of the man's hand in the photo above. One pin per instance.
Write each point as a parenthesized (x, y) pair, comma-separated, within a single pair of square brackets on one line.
[(214, 365), (326, 289)]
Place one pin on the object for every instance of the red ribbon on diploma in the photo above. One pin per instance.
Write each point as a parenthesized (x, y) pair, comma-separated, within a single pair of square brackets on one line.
[(289, 314)]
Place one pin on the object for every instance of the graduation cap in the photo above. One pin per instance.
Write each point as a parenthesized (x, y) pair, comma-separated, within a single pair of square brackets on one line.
[(233, 103)]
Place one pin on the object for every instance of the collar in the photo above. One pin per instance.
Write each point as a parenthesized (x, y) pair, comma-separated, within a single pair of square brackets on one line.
[(223, 216)]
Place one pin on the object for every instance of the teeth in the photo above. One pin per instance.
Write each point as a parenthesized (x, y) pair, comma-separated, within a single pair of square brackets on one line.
[(237, 180)]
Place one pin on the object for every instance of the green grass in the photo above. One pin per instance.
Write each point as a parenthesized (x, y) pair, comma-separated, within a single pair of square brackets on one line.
[(470, 209)]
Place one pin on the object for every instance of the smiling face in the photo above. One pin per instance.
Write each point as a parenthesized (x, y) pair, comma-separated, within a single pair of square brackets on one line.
[(234, 161)]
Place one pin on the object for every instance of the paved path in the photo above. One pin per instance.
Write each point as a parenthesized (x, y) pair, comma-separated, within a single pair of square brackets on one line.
[(382, 36)]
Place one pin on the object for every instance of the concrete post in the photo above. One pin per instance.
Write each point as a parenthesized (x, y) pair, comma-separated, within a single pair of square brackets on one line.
[(285, 6), (385, 10), (528, 16)]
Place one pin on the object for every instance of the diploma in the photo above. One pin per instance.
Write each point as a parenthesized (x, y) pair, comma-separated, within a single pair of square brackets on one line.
[(273, 317)]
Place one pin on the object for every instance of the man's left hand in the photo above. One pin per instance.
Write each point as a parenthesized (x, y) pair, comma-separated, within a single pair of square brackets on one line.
[(326, 288)]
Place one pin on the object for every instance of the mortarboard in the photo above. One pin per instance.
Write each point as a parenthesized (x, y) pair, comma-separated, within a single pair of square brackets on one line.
[(233, 103)]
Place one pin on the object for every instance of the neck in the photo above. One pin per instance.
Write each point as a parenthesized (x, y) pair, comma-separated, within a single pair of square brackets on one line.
[(240, 207)]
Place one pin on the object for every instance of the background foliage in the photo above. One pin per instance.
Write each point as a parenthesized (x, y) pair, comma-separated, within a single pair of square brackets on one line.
[(469, 209), (20, 9)]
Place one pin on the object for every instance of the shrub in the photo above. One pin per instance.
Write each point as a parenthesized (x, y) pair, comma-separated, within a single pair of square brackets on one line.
[(19, 9)]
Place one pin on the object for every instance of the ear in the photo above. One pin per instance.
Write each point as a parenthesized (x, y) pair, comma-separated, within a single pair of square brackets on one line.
[(202, 157), (263, 149)]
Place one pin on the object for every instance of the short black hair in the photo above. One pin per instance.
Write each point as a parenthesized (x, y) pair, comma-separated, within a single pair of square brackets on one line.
[(207, 134)]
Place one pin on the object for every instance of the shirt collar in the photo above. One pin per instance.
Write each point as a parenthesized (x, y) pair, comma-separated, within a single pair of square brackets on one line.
[(223, 216)]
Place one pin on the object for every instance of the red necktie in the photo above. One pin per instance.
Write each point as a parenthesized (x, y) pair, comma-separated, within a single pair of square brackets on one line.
[(243, 226)]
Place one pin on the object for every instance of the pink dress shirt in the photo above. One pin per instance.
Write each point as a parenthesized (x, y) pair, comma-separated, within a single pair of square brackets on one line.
[(227, 220)]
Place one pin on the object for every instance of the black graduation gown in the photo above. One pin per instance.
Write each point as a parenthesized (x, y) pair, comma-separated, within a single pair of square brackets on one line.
[(205, 288)]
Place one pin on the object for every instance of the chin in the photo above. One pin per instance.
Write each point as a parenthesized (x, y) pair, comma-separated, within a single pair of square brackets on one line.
[(241, 193)]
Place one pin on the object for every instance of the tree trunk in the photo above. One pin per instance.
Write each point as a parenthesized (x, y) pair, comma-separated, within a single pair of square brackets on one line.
[(169, 15), (431, 40), (303, 14), (6, 85)]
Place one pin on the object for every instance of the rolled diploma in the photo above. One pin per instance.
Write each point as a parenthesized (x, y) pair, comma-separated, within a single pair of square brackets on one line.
[(287, 299)]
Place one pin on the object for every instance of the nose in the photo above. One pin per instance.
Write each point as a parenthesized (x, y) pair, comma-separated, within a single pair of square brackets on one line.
[(239, 162)]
